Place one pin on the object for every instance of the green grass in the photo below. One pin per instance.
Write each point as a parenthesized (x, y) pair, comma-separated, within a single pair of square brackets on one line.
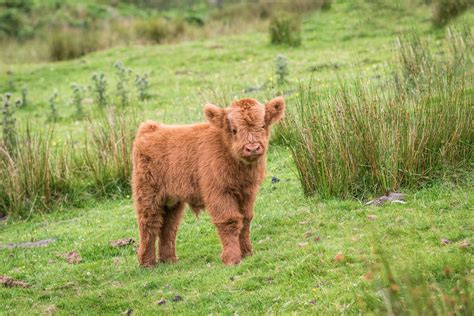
[(290, 271)]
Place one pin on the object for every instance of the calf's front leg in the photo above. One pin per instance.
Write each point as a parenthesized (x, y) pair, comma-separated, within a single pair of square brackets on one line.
[(229, 231), (229, 222), (244, 238)]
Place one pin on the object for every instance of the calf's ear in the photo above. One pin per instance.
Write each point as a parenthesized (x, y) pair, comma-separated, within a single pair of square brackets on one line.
[(215, 115), (274, 110)]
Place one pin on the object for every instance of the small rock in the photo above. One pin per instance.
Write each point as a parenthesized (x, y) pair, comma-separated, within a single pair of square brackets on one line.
[(162, 301), (128, 312), (122, 242), (73, 257), (393, 197), (302, 244), (464, 244), (177, 298), (9, 282), (444, 241)]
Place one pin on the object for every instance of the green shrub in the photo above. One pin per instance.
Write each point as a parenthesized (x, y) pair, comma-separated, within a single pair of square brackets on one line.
[(264, 9), (155, 30), (367, 139), (70, 44), (285, 29), (305, 6), (446, 10)]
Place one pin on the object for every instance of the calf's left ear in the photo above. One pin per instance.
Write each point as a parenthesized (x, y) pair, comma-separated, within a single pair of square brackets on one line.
[(215, 115), (274, 110)]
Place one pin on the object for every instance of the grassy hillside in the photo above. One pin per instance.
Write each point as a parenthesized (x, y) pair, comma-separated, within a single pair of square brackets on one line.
[(312, 255)]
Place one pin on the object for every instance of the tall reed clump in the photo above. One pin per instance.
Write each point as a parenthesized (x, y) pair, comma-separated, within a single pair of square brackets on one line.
[(69, 43), (35, 176), (39, 175), (107, 153), (367, 138)]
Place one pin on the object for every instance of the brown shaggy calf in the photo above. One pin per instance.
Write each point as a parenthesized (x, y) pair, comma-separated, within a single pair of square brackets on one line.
[(217, 165)]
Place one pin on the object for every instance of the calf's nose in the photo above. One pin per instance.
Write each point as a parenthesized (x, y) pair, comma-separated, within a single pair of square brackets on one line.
[(252, 148)]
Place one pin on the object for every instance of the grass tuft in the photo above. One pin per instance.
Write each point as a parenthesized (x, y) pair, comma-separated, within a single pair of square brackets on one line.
[(285, 29), (368, 138), (446, 10)]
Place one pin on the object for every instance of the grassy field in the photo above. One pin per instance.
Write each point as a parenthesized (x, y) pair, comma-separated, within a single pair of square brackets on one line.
[(312, 255)]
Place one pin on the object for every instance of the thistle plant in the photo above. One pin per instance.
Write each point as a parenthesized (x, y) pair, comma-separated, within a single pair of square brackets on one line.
[(122, 83), (100, 89), (24, 94), (142, 84), (77, 98), (8, 124), (281, 69), (53, 114)]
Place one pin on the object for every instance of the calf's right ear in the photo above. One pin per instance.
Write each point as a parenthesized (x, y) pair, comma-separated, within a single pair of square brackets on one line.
[(215, 115)]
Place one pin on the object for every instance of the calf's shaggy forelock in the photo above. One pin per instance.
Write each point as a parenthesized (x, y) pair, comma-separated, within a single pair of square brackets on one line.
[(218, 165)]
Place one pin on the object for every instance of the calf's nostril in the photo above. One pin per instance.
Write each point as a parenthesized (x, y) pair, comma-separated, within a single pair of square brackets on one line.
[(252, 148)]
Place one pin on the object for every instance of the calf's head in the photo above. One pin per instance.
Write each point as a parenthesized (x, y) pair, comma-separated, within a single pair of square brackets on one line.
[(245, 125)]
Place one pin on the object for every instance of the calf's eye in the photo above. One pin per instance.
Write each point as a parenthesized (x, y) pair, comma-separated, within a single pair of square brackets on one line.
[(234, 131)]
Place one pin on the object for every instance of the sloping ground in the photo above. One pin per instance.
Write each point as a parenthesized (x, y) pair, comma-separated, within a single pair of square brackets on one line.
[(310, 255)]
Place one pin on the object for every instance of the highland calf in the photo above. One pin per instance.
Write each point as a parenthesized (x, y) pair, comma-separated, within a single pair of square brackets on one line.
[(217, 165)]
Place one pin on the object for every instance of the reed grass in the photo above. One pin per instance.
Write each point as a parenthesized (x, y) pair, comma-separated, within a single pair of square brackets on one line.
[(369, 137)]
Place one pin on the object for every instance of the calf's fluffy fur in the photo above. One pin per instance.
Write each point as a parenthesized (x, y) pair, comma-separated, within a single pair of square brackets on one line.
[(217, 165)]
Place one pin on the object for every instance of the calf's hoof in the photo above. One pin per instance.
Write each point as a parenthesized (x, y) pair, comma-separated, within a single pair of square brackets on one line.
[(169, 259), (148, 264), (231, 259)]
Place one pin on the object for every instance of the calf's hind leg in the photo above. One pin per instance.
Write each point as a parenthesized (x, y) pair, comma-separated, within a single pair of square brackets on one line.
[(149, 224), (150, 220), (167, 243)]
